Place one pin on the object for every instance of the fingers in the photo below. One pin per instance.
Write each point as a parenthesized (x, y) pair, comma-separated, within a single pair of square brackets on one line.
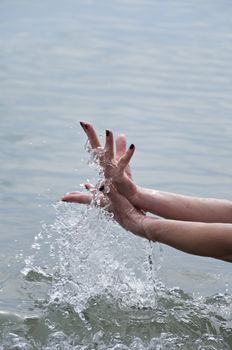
[(90, 187), (85, 198), (91, 134), (120, 146), (78, 197), (125, 159), (109, 146), (120, 152)]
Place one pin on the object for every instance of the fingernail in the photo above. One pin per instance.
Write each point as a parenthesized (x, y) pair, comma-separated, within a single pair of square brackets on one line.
[(132, 146), (102, 188), (84, 126), (107, 132), (86, 186)]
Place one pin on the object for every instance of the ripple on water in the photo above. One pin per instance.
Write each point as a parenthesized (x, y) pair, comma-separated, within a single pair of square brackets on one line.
[(178, 322)]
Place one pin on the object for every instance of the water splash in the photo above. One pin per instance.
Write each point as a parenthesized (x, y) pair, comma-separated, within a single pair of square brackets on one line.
[(92, 255), (95, 257), (103, 291)]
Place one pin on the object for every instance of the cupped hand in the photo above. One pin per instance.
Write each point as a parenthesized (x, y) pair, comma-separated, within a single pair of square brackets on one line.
[(115, 164)]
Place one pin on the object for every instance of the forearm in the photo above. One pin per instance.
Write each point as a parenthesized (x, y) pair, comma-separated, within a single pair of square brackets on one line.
[(179, 207), (204, 239)]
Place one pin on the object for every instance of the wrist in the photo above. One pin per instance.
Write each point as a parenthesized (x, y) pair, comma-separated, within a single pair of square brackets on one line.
[(151, 228), (137, 197)]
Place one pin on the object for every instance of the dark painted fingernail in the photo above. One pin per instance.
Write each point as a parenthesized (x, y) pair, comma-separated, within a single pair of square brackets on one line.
[(86, 186), (102, 188), (84, 126), (107, 132), (132, 146)]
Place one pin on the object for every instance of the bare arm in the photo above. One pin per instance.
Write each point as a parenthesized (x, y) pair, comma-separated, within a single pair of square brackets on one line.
[(186, 208), (204, 239)]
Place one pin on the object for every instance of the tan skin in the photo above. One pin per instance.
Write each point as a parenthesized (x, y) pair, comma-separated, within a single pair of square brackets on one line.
[(200, 226)]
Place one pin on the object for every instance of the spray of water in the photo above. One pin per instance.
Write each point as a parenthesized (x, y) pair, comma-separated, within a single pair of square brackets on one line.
[(92, 255), (103, 292)]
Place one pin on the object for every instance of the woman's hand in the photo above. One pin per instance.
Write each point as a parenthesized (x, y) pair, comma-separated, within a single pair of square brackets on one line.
[(115, 165), (117, 173)]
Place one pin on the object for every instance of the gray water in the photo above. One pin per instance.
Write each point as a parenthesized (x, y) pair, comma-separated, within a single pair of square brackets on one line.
[(159, 71)]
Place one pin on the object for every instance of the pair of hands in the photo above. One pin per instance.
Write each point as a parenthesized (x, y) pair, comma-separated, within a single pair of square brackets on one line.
[(123, 193)]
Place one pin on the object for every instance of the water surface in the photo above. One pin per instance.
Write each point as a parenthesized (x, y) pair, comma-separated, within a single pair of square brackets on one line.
[(159, 71)]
